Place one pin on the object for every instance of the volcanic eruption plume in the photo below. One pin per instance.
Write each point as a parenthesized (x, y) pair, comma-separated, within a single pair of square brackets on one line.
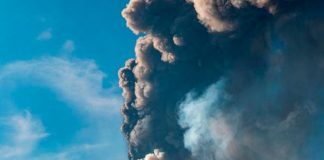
[(225, 80)]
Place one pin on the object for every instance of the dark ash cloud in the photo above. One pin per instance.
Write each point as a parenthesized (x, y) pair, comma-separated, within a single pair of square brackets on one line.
[(267, 54)]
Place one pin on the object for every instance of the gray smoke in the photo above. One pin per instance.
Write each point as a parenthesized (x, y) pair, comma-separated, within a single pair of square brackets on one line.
[(225, 79)]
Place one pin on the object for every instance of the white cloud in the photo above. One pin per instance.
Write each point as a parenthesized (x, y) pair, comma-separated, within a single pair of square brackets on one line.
[(24, 132), (77, 82), (68, 47), (45, 35)]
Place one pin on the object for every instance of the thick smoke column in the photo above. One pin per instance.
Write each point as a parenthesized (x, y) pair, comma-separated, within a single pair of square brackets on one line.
[(225, 79)]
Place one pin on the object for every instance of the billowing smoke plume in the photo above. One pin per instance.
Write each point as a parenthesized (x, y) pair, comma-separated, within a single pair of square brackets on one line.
[(225, 79)]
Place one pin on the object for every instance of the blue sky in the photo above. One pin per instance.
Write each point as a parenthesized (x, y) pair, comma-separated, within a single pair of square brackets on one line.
[(58, 79)]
